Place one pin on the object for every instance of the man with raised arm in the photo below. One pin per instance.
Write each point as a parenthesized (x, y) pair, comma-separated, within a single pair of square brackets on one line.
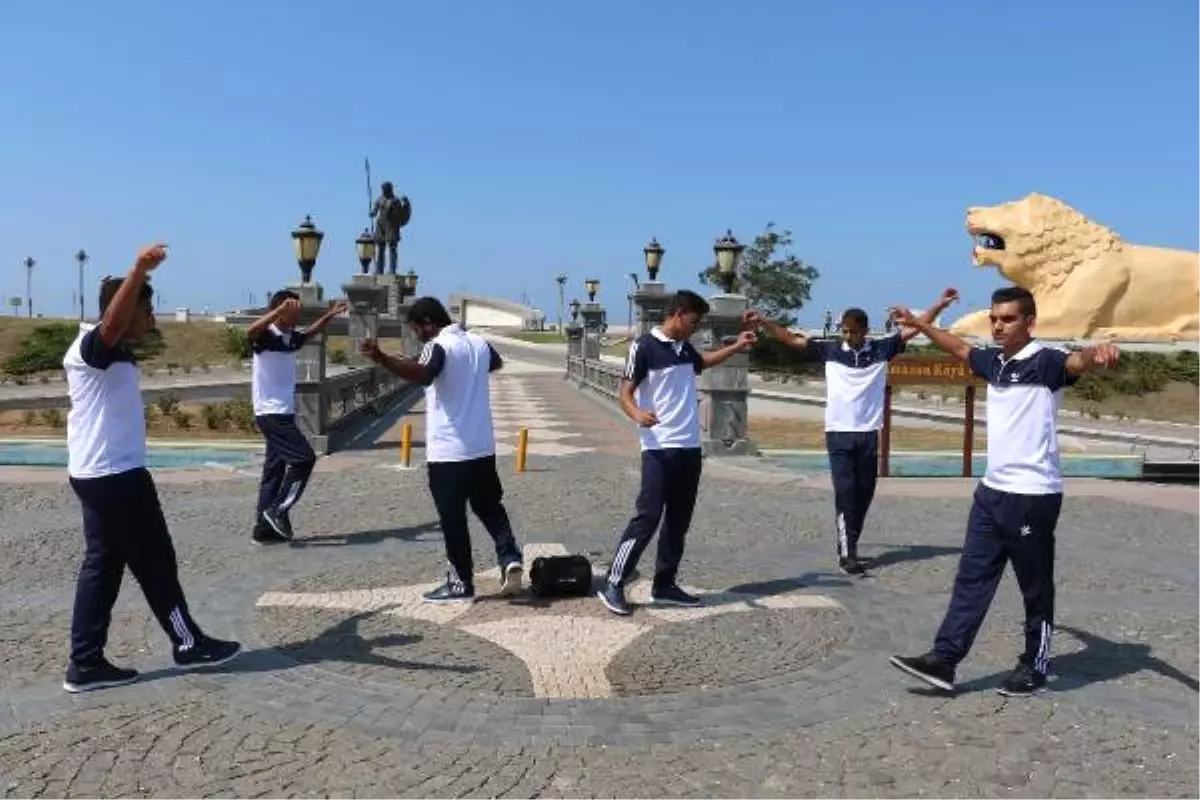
[(123, 524), (1016, 505), (855, 380)]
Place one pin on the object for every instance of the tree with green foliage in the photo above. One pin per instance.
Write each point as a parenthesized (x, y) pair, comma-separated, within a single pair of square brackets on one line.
[(777, 286)]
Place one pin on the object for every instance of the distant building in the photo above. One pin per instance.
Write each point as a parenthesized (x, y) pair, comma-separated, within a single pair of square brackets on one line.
[(477, 311)]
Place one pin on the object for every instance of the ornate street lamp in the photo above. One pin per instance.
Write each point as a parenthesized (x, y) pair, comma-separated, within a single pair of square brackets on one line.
[(29, 265), (654, 254), (307, 241), (729, 251), (574, 306), (592, 285), (365, 245), (82, 258), (408, 285)]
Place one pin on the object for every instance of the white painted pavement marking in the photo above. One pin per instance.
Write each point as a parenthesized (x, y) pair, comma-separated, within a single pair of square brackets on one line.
[(566, 654)]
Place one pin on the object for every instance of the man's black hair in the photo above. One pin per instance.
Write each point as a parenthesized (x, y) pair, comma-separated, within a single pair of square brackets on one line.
[(429, 310), (1016, 294), (856, 316), (108, 290), (281, 297), (687, 302)]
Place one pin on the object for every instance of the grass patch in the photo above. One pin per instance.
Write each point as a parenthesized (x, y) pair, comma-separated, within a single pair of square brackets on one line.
[(538, 337), (776, 433)]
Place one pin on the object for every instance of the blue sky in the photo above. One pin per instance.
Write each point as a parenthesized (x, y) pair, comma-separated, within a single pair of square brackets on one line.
[(539, 136)]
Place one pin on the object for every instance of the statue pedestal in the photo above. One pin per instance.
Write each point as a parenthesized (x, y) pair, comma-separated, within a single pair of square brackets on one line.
[(311, 294), (366, 299), (651, 299), (593, 324), (574, 340), (724, 390)]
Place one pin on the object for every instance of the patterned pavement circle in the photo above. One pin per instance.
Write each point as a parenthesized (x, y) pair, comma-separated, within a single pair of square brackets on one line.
[(569, 645)]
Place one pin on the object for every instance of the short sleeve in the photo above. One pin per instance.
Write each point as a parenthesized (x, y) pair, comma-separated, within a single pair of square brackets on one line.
[(266, 340), (95, 353), (696, 357), (297, 340), (891, 346), (495, 361), (982, 361), (1051, 369), (433, 359), (637, 364)]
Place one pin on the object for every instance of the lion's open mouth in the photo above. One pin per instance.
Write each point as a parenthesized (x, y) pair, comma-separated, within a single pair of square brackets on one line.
[(989, 241)]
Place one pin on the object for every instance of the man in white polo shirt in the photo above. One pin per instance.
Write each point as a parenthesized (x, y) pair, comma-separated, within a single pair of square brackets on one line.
[(659, 394), (123, 523), (289, 460), (855, 380), (1016, 505), (455, 368)]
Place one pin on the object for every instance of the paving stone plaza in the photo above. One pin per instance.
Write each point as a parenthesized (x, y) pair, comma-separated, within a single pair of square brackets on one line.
[(778, 686)]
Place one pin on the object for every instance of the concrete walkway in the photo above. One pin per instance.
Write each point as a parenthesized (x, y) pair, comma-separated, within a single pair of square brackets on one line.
[(777, 686)]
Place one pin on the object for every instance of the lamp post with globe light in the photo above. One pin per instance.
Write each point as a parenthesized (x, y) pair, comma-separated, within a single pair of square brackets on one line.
[(29, 265), (725, 389), (650, 296), (81, 258)]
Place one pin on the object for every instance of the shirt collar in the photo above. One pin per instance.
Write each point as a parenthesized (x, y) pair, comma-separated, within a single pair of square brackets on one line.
[(1025, 352), (657, 333)]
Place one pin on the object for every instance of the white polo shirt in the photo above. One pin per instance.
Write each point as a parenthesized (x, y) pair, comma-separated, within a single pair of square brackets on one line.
[(458, 402), (1023, 397), (855, 381), (273, 377), (106, 427), (664, 372)]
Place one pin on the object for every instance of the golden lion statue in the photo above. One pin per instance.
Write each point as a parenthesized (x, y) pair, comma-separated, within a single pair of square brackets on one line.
[(1087, 282)]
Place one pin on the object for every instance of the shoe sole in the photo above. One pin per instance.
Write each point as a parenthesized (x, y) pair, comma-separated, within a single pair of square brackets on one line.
[(206, 664), (618, 611), (661, 601), (513, 577), (1010, 693), (275, 526), (449, 601), (78, 688), (931, 680)]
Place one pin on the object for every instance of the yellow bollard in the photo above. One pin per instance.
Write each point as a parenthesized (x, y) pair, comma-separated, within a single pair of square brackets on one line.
[(406, 445), (522, 446)]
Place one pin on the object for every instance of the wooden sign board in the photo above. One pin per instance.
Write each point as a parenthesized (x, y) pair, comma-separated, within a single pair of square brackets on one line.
[(930, 370)]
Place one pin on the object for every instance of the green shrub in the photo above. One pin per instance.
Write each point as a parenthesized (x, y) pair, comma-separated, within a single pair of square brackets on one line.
[(29, 417), (167, 403), (54, 417), (236, 343), (240, 413), (42, 349), (338, 356), (182, 419), (215, 416), (152, 345)]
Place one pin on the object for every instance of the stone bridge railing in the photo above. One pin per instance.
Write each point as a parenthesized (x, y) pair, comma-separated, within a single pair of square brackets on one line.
[(334, 412), (599, 376)]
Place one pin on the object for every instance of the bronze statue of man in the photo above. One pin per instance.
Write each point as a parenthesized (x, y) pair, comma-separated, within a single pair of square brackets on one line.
[(391, 213)]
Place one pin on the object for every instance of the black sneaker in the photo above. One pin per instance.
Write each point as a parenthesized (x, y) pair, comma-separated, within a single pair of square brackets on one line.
[(279, 522), (265, 535), (673, 596), (851, 565), (510, 578), (613, 598), (100, 675), (1022, 682), (450, 593), (206, 652), (928, 668)]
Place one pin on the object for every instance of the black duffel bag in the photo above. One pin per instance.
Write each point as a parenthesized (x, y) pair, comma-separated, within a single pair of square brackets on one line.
[(561, 576)]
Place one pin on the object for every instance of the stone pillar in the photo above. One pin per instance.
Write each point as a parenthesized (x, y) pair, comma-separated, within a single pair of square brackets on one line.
[(391, 286), (651, 299), (725, 390), (574, 339), (366, 299), (593, 324)]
